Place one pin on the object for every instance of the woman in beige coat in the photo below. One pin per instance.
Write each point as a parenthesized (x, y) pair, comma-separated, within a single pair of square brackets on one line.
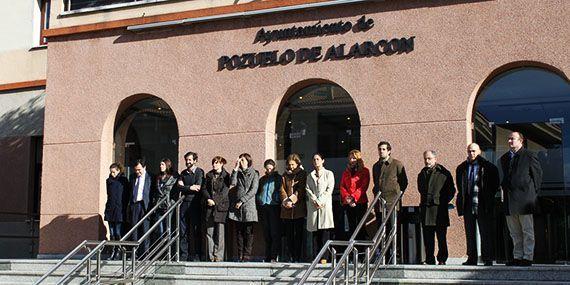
[(320, 221)]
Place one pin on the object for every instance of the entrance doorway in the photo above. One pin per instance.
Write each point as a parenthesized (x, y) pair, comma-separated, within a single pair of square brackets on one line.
[(319, 118), (535, 102), (146, 129)]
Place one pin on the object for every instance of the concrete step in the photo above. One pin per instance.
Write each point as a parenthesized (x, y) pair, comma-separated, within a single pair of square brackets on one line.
[(18, 272)]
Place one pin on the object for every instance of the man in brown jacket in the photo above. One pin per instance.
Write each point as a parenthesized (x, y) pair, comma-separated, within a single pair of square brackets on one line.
[(390, 179)]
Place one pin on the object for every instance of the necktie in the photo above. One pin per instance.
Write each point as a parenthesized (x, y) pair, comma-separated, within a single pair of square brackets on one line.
[(136, 190)]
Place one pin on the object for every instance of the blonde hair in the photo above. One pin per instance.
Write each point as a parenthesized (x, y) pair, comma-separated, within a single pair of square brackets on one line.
[(358, 155)]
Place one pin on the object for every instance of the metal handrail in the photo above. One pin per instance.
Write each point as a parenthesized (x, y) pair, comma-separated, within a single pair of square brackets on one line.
[(352, 243), (62, 261), (100, 245), (324, 250), (139, 223)]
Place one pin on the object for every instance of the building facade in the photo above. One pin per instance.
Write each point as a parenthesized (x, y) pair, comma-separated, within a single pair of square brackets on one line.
[(159, 78)]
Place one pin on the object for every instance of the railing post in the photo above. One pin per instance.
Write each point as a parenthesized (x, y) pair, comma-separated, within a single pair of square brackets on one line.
[(98, 277), (169, 232), (346, 270), (177, 218), (124, 257), (134, 262), (395, 239), (355, 254), (333, 252), (367, 270), (89, 270)]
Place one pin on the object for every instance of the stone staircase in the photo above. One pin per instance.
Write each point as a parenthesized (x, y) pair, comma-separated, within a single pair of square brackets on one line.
[(16, 272)]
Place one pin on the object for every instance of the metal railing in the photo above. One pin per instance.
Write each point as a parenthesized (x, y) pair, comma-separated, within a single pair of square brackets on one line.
[(161, 249), (373, 257)]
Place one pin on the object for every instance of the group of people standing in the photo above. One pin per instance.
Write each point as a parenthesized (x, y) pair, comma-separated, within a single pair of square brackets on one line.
[(296, 201)]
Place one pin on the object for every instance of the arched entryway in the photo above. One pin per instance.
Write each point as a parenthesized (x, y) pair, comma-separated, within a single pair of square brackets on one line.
[(535, 101), (319, 117), (145, 128)]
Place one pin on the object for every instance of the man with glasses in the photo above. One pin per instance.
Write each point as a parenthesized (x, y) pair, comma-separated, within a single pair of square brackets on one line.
[(522, 177)]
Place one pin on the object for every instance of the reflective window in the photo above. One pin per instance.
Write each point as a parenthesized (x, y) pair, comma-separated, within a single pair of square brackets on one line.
[(146, 129), (535, 102), (319, 118)]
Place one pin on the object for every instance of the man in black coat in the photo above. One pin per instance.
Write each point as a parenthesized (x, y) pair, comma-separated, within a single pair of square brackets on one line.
[(522, 177), (477, 184), (139, 202), (436, 188), (189, 185)]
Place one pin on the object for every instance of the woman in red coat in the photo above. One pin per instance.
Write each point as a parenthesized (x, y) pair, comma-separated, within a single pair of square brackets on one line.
[(353, 187)]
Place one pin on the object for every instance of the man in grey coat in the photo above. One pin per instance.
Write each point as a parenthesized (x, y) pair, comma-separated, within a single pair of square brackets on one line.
[(522, 177)]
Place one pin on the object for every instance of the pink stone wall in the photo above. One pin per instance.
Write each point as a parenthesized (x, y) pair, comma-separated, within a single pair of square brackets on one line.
[(417, 101)]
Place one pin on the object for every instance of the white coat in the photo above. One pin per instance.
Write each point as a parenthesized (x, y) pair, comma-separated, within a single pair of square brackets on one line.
[(320, 190)]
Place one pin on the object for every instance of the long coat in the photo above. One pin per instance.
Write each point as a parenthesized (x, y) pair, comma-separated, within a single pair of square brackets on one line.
[(117, 199), (488, 183), (319, 190), (389, 179), (246, 183), (521, 182), (436, 191), (164, 189), (216, 188), (294, 183)]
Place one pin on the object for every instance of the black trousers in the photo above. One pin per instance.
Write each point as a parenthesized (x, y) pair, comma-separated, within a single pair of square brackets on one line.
[(294, 233), (320, 237), (190, 230), (429, 243), (271, 221), (487, 233), (137, 213), (244, 239), (354, 215)]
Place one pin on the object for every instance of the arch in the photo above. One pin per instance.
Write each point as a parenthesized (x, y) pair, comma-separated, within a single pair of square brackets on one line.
[(533, 99), (491, 75), (270, 127), (307, 120)]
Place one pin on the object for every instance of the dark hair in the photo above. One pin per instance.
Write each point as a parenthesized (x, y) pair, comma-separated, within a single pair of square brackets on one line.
[(320, 155), (140, 161), (219, 159), (248, 158), (387, 144), (191, 153), (117, 166), (168, 164), (520, 135), (294, 157), (269, 162)]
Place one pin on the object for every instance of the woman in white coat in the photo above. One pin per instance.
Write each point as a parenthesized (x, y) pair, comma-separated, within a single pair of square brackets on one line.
[(320, 221)]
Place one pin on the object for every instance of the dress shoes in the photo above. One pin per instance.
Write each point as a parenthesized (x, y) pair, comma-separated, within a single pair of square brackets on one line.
[(514, 262), (488, 263), (441, 263), (525, 262), (470, 262)]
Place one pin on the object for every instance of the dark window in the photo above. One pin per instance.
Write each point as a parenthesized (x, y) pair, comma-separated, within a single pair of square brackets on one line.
[(535, 102)]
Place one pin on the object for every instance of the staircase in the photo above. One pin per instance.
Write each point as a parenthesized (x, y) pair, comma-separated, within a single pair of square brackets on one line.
[(19, 272)]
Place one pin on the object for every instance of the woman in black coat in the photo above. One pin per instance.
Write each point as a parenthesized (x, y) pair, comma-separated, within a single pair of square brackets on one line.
[(165, 181), (117, 199), (216, 205)]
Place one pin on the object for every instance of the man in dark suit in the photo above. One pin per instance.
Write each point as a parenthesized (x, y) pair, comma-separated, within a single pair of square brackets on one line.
[(189, 185), (436, 188), (522, 177), (477, 184), (141, 190)]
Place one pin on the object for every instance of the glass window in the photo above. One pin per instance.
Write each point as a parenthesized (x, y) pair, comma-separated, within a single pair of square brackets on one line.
[(147, 129), (319, 118), (81, 4), (535, 102)]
